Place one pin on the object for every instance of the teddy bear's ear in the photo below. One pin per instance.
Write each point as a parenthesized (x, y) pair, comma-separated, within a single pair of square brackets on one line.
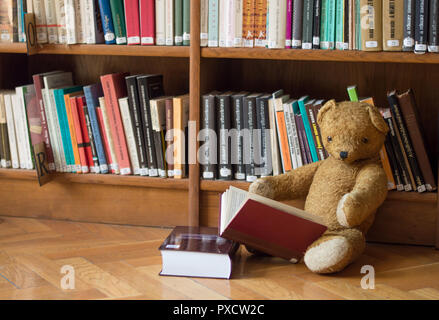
[(326, 107), (377, 119)]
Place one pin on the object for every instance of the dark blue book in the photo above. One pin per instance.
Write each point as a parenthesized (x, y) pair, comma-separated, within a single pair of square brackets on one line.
[(107, 21), (92, 94)]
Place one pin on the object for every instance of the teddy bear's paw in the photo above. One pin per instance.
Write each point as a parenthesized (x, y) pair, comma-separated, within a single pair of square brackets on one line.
[(343, 212), (262, 187), (328, 256)]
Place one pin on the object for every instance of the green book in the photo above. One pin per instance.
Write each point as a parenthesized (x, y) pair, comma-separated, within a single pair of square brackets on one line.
[(186, 22), (352, 92), (178, 22), (331, 24), (118, 15), (323, 25), (357, 25), (339, 25)]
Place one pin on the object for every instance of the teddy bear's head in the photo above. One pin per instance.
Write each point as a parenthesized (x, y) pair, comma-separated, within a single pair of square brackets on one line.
[(351, 131)]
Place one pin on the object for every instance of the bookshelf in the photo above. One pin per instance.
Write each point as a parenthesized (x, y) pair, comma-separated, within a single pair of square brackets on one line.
[(404, 217)]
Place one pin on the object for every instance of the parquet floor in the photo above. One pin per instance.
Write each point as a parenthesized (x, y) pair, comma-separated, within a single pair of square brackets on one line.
[(122, 262)]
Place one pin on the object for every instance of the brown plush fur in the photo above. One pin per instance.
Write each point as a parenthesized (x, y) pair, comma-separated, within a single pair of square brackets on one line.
[(358, 129)]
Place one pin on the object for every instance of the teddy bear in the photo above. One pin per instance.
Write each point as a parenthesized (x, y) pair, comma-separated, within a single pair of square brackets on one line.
[(345, 189)]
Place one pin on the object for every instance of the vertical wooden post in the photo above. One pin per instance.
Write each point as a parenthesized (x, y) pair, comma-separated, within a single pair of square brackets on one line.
[(194, 111), (437, 217)]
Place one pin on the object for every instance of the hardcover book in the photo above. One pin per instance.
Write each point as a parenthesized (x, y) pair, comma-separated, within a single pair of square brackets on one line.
[(208, 152), (371, 29), (118, 15), (197, 252), (421, 26), (8, 21), (107, 21), (132, 21), (181, 118), (238, 124), (223, 126), (409, 26), (147, 22), (251, 146), (244, 216), (393, 30)]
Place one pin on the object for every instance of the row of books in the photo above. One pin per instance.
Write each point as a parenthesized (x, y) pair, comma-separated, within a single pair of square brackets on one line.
[(132, 22), (251, 135), (116, 126), (368, 25)]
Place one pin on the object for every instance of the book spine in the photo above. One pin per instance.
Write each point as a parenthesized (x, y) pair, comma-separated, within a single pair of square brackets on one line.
[(62, 122), (11, 132), (92, 94), (323, 25), (262, 118), (223, 127), (80, 143), (107, 22), (20, 20), (160, 26), (250, 154), (237, 38), (393, 19), (208, 127), (433, 41), (339, 25), (70, 21), (309, 135), (346, 29), (316, 24), (40, 21), (169, 22), (277, 27), (61, 21), (295, 138), (315, 133), (330, 23), (371, 29), (296, 42), (308, 11), (169, 138), (248, 23), (98, 36), (351, 24), (213, 24), (260, 23), (87, 135), (305, 153), (107, 140), (407, 144), (290, 127), (223, 20), (238, 124), (180, 122), (132, 21), (393, 164), (5, 158), (25, 129), (289, 25), (409, 26), (129, 133), (117, 13), (283, 139), (421, 26), (387, 169), (178, 22), (186, 22), (50, 20), (158, 126), (113, 89), (73, 139), (79, 23), (204, 23), (19, 129), (147, 22), (95, 167), (51, 127)]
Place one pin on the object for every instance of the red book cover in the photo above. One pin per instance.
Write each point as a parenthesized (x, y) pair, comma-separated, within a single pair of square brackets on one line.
[(79, 138), (132, 21), (114, 88), (105, 139), (80, 103), (38, 83), (147, 22)]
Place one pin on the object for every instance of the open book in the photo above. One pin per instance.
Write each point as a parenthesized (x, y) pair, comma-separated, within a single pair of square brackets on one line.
[(267, 225)]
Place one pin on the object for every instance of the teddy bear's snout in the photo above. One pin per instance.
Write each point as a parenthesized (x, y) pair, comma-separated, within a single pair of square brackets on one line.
[(343, 154)]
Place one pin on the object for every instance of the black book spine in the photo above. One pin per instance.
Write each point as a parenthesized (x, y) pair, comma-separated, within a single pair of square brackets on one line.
[(149, 88), (433, 41), (407, 144), (308, 18), (397, 151), (136, 116), (394, 164), (224, 143), (238, 124), (263, 121), (421, 26), (297, 24), (159, 151), (316, 24), (159, 131), (409, 25), (249, 104), (208, 150), (92, 141), (346, 25)]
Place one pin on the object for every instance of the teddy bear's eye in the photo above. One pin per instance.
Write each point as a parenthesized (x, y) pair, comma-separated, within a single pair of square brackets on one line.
[(329, 139), (365, 140)]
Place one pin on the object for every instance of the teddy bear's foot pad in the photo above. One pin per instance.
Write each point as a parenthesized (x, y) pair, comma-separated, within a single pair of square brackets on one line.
[(328, 256)]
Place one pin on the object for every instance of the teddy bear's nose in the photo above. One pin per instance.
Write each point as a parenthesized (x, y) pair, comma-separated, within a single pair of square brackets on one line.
[(343, 154)]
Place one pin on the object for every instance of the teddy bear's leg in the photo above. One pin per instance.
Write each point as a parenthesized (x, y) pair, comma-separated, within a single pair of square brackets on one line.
[(334, 250)]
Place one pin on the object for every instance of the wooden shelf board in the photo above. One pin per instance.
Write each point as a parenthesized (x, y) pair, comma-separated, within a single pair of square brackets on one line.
[(319, 55), (104, 179), (13, 47), (115, 50), (222, 185)]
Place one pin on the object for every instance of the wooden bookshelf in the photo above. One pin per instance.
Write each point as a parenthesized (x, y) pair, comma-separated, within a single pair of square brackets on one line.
[(403, 218)]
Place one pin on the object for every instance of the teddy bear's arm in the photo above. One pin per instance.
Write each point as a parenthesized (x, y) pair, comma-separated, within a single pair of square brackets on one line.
[(291, 185), (368, 194)]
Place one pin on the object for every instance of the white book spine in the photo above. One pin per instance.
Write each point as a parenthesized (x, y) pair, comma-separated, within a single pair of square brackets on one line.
[(237, 41), (275, 156), (51, 20), (78, 22), (160, 18), (114, 165), (25, 153), (89, 22), (204, 14), (222, 22), (51, 128), (230, 23), (18, 129), (277, 25), (169, 22), (290, 135), (70, 21), (40, 21), (55, 117), (61, 21), (296, 142), (12, 136), (129, 134)]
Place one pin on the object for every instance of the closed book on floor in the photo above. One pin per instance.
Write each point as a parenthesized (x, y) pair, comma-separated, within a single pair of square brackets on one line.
[(290, 231), (197, 252)]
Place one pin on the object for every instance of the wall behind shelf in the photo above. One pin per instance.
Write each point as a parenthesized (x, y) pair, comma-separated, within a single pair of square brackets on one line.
[(13, 70)]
